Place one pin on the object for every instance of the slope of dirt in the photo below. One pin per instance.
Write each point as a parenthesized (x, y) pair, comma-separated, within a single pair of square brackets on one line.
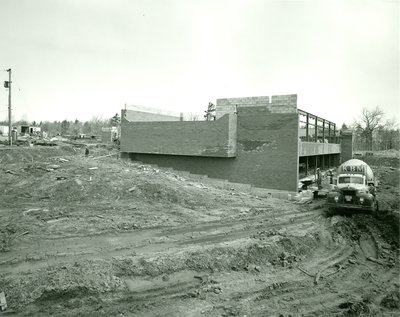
[(106, 237)]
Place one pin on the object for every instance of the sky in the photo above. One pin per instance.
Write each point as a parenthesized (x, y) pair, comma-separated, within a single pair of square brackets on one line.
[(74, 59)]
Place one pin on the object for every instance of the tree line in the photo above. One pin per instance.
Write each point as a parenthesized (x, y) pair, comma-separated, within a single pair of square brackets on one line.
[(373, 132), (71, 128)]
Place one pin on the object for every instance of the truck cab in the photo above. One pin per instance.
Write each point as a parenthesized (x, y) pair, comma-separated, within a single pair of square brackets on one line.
[(354, 188)]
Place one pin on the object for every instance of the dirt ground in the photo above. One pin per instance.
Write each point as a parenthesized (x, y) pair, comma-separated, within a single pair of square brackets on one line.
[(102, 236)]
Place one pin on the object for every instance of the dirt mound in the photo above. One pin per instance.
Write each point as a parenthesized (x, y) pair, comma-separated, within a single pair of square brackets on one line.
[(358, 308), (381, 160), (33, 154), (60, 282), (392, 299), (105, 236), (87, 278), (388, 190)]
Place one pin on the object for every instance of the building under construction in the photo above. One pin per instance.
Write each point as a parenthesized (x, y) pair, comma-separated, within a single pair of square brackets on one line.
[(264, 141)]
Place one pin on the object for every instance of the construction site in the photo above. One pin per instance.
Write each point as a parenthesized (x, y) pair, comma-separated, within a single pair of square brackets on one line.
[(221, 217)]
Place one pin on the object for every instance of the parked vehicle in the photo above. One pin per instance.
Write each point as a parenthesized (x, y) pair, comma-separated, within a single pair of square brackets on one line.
[(354, 189)]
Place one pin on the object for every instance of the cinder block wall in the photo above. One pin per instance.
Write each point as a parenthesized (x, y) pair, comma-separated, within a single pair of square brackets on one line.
[(275, 104), (267, 150)]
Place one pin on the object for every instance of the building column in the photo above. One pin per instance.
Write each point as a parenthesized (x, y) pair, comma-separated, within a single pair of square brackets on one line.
[(346, 146), (306, 165), (316, 163)]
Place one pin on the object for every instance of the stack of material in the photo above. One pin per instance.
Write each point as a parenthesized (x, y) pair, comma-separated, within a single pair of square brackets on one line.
[(303, 197)]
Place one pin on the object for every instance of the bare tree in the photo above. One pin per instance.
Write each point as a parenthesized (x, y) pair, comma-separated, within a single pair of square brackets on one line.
[(369, 121), (192, 116)]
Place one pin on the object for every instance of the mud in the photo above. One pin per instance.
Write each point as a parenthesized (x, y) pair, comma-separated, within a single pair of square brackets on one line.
[(133, 240)]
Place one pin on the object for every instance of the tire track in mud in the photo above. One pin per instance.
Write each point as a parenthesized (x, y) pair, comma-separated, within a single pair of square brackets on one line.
[(31, 255), (282, 291), (306, 298), (294, 292), (333, 293), (324, 259), (171, 286)]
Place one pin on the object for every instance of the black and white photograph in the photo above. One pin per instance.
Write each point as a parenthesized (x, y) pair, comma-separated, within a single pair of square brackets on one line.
[(222, 158)]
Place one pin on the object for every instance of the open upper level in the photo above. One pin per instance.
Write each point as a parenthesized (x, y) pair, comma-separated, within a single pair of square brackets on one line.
[(317, 136)]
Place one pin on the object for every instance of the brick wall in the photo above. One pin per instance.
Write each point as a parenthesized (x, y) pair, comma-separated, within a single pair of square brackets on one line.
[(267, 152), (194, 138), (267, 148)]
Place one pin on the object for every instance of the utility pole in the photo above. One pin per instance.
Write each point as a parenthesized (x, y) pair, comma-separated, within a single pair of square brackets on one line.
[(8, 85)]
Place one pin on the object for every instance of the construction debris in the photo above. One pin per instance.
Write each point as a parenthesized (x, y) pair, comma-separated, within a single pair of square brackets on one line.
[(304, 271), (375, 260), (172, 238), (53, 166), (303, 197), (99, 157), (29, 210), (317, 277), (3, 302)]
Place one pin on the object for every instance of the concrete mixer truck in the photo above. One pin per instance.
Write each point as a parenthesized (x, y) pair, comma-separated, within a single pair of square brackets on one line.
[(354, 189)]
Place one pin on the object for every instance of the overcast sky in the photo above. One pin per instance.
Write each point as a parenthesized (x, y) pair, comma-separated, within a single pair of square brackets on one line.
[(79, 59)]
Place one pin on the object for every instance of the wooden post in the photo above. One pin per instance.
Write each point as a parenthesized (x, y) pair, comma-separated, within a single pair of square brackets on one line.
[(9, 108)]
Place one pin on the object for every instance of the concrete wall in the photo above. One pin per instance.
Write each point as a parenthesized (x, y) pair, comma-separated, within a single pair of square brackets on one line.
[(313, 148), (143, 114), (267, 152), (192, 138)]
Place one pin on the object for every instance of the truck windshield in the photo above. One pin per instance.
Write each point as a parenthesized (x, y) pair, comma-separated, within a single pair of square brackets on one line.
[(350, 180)]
